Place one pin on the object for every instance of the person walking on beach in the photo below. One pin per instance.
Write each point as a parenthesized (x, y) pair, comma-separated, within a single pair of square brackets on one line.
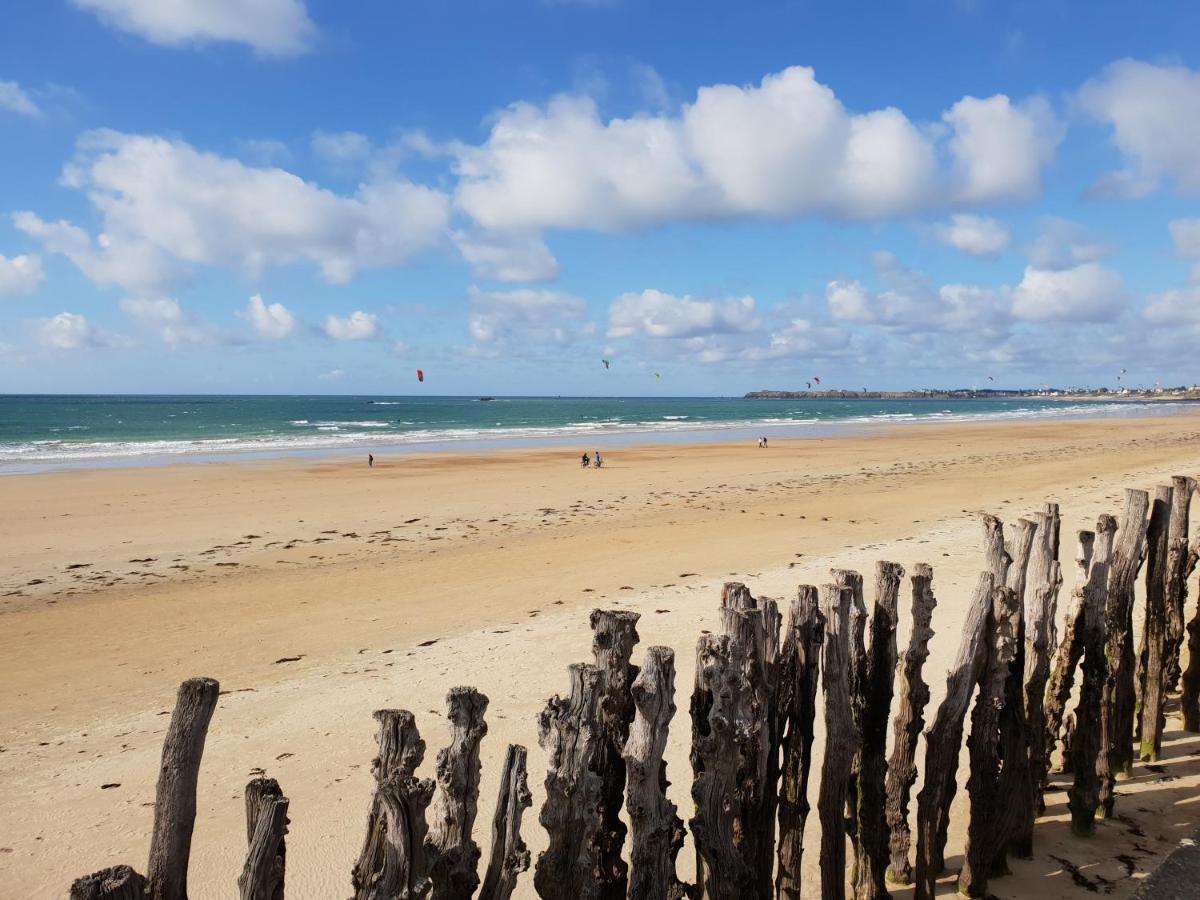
[(764, 443), (599, 462), (370, 460), (584, 461)]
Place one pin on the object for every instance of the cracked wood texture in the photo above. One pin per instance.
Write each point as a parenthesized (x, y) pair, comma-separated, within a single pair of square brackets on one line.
[(1189, 701), (1066, 659), (1117, 706), (871, 857), (906, 726), (798, 669), (841, 739), (656, 831), (453, 855), (392, 862), (1154, 627), (266, 826), (509, 857), (944, 739), (856, 674), (1183, 489), (116, 883), (175, 795)]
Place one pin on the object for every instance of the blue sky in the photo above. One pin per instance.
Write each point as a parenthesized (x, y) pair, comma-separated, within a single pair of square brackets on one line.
[(312, 196)]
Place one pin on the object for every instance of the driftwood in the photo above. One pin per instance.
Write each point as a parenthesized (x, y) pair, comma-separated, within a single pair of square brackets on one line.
[(1070, 651), (175, 795), (116, 883), (1041, 607), (856, 680), (944, 738), (656, 831), (871, 857), (1180, 569), (392, 862), (509, 856), (907, 725), (1086, 747), (798, 667), (569, 730), (453, 855), (1118, 702), (266, 826), (841, 739)]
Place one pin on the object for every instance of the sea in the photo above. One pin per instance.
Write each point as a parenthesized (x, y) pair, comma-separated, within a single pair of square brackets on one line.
[(41, 432)]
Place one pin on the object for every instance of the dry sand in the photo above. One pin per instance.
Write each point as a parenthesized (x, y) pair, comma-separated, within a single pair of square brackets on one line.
[(317, 593)]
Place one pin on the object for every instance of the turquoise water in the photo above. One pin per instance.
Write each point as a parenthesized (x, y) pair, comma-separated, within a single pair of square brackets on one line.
[(38, 432)]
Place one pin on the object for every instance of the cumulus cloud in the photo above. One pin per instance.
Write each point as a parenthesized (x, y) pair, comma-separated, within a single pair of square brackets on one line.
[(166, 318), (1086, 293), (20, 275), (785, 147), (524, 318), (1063, 244), (501, 257), (973, 235), (656, 314), (341, 146), (358, 326), (1185, 235), (14, 98), (1154, 112), (166, 205), (1179, 306), (270, 321), (71, 331), (271, 27)]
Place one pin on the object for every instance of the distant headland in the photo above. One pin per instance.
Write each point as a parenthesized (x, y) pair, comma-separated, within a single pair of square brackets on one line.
[(1123, 394)]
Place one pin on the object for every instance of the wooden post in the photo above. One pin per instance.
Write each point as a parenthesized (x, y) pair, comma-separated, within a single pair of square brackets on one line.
[(871, 858), (1086, 748), (798, 668), (656, 832), (856, 676), (1070, 651), (907, 725), (1041, 592), (1183, 489), (116, 883), (1189, 702), (1148, 728), (841, 740), (570, 731), (944, 738), (175, 796), (453, 855), (1117, 703), (266, 856), (392, 861), (509, 856)]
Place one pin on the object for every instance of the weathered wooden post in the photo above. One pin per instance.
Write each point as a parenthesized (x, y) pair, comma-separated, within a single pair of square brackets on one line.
[(1189, 702), (1086, 748), (569, 730), (453, 855), (656, 832), (856, 675), (509, 856), (1150, 673), (871, 857), (1183, 487), (116, 883), (175, 795), (841, 739), (1117, 703), (944, 739), (266, 827), (799, 664), (1070, 651), (392, 861), (907, 725)]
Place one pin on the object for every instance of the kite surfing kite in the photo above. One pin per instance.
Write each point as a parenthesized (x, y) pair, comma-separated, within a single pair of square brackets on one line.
[(420, 375), (607, 364), (816, 380), (657, 377), (809, 383)]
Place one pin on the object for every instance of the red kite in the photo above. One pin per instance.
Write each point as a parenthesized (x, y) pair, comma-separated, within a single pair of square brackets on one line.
[(420, 375)]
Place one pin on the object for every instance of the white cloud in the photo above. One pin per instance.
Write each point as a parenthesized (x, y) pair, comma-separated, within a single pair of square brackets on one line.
[(358, 326), (1086, 293), (270, 321), (526, 318), (1180, 306), (341, 146), (332, 375), (165, 317), (974, 235), (786, 147), (166, 205), (1185, 235), (1155, 115), (20, 275), (655, 314), (272, 27), (800, 337), (15, 99), (71, 331), (499, 257), (1063, 244)]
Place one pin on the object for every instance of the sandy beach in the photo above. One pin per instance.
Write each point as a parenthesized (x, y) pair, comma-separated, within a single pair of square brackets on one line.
[(319, 592)]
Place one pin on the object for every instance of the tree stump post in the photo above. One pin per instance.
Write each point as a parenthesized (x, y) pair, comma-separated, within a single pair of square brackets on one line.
[(115, 883), (1179, 571), (175, 795), (1118, 696), (856, 675), (871, 858), (453, 855), (1086, 748), (944, 739), (798, 671), (266, 827), (1148, 727), (907, 725), (1070, 651), (841, 739), (509, 856), (1189, 701), (392, 861), (656, 831)]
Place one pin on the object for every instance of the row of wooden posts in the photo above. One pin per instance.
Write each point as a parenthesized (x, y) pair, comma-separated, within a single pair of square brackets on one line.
[(753, 709)]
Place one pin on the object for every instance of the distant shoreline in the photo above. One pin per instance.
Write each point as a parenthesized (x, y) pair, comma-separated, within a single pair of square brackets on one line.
[(1174, 395)]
